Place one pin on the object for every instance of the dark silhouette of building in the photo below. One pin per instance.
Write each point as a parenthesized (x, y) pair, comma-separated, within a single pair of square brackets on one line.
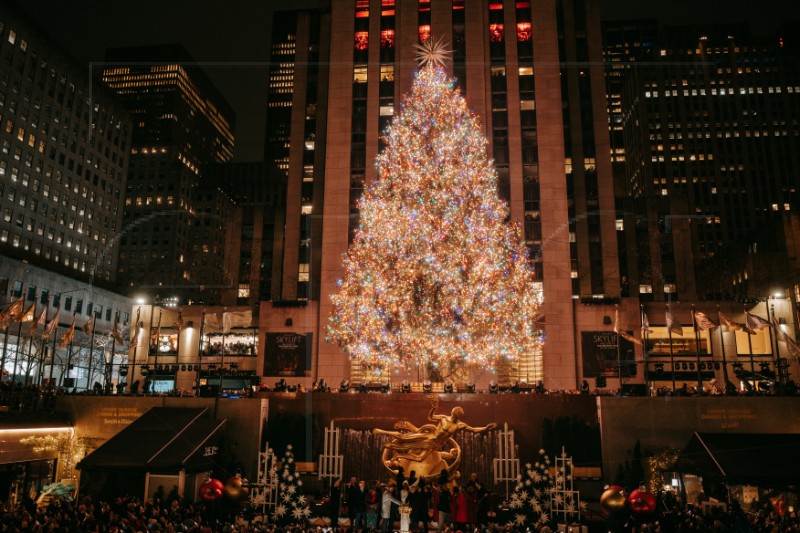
[(181, 122)]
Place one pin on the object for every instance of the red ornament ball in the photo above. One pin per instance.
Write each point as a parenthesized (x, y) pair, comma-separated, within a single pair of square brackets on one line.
[(641, 502), (211, 490)]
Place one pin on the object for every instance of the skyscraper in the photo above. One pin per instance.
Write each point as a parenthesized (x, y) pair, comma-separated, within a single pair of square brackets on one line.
[(181, 122), (531, 71), (711, 128), (64, 146)]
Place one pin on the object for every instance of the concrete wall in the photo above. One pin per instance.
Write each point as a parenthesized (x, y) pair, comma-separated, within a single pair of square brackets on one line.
[(670, 421)]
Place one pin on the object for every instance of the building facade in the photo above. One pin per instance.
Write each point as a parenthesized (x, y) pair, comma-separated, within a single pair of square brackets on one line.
[(64, 146), (532, 72), (711, 134), (181, 122)]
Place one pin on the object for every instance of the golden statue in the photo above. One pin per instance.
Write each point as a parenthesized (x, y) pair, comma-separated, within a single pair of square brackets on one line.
[(428, 449)]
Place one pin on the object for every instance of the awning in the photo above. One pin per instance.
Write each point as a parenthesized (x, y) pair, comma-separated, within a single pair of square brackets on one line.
[(752, 458), (164, 439)]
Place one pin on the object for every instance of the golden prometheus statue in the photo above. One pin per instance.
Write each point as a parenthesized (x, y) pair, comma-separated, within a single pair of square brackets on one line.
[(428, 449)]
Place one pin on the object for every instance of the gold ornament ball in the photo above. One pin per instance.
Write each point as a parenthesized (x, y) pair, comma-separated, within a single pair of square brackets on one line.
[(612, 501), (233, 488)]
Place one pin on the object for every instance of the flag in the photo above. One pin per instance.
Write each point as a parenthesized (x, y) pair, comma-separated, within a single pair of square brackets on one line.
[(28, 315), (730, 324), (673, 326), (625, 335), (179, 322), (157, 335), (138, 329), (51, 326), (66, 339), (211, 321), (792, 346), (756, 323), (645, 325), (40, 322), (89, 326), (703, 322), (115, 333), (234, 319), (14, 310)]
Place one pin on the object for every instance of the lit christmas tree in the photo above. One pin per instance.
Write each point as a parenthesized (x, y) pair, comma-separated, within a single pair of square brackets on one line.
[(530, 501), (292, 507), (435, 275)]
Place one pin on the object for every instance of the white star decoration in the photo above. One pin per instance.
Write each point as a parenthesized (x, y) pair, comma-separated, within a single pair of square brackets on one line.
[(430, 53)]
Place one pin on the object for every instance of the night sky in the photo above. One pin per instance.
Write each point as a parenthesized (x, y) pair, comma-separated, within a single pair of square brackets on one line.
[(231, 39)]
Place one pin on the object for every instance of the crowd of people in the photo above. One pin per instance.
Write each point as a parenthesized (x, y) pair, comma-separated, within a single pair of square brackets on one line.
[(411, 502), (365, 508)]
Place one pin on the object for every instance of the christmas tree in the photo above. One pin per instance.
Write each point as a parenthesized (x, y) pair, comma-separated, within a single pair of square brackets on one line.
[(530, 501), (436, 274), (292, 507)]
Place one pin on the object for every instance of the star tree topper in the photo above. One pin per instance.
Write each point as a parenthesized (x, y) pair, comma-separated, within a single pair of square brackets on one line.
[(434, 54)]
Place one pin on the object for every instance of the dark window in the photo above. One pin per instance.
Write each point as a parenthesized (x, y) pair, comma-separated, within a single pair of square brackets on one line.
[(68, 303), (78, 306)]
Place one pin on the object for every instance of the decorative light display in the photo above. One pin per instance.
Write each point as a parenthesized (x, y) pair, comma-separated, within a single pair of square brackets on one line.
[(435, 274)]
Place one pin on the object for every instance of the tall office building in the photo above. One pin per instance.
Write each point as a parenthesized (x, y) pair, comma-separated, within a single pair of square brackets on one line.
[(257, 193), (531, 71), (711, 126), (64, 146), (181, 122)]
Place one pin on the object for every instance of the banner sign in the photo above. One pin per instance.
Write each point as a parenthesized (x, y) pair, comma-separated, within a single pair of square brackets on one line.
[(600, 353), (287, 354)]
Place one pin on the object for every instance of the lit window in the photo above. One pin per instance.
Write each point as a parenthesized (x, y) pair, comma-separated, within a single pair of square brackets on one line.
[(670, 288), (244, 290), (424, 32), (620, 224), (527, 105), (523, 31), (387, 72), (362, 40), (387, 38), (496, 33), (306, 210), (774, 207), (360, 74), (12, 36), (646, 289), (387, 110), (302, 274), (526, 71)]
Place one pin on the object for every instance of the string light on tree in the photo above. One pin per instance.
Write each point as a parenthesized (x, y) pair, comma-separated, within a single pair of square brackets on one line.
[(436, 274)]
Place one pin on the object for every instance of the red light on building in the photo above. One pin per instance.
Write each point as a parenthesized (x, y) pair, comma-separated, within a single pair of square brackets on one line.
[(362, 40), (495, 6), (496, 33), (523, 31), (523, 5), (387, 38), (424, 33)]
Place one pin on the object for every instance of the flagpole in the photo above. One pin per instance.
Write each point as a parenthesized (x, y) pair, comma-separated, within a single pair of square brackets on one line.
[(671, 353), (53, 355), (778, 376), (728, 385), (155, 362), (93, 318), (5, 345), (644, 346), (750, 346), (200, 350), (148, 383), (109, 375), (40, 377), (222, 354), (697, 349), (69, 349), (16, 353), (30, 352)]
